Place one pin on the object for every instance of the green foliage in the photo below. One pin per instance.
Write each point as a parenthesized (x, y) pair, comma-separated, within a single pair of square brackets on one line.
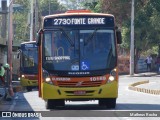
[(147, 17), (146, 23), (151, 51), (126, 40), (97, 6), (24, 3), (21, 18), (49, 7), (72, 5)]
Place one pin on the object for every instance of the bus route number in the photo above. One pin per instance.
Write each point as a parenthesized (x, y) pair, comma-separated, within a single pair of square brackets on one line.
[(69, 21)]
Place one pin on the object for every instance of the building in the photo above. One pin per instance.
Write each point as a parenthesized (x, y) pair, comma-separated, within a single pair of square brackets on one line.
[(4, 39), (3, 33)]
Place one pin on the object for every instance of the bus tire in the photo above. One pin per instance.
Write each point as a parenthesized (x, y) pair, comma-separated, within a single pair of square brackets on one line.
[(29, 89), (109, 102), (60, 103), (52, 104)]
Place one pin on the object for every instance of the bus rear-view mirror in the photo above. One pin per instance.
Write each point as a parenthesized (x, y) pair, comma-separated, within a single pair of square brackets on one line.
[(119, 37), (39, 35), (19, 52)]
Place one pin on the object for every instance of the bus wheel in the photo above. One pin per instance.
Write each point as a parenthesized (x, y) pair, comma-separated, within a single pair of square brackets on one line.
[(109, 102), (29, 89), (52, 104)]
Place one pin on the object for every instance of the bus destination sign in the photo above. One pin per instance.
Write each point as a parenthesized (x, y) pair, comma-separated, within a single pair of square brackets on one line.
[(79, 21)]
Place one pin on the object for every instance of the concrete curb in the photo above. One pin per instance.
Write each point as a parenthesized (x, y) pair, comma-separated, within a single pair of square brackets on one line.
[(149, 91)]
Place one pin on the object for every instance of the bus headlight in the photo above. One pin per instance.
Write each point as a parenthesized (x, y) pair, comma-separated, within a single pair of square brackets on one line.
[(46, 77), (23, 76), (112, 76)]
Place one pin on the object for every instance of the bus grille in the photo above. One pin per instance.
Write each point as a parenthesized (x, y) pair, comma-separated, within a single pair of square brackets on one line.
[(79, 84)]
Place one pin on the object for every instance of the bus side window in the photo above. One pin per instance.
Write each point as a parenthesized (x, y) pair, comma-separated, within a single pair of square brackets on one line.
[(31, 62), (48, 39)]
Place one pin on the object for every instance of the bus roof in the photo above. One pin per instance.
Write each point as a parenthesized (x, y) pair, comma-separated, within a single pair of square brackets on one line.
[(77, 12), (28, 42)]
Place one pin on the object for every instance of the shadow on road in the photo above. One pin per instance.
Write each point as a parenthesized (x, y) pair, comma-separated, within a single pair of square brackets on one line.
[(92, 110), (120, 106), (137, 106), (81, 107)]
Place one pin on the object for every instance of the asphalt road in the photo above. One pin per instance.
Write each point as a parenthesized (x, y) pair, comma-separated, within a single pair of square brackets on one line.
[(131, 105)]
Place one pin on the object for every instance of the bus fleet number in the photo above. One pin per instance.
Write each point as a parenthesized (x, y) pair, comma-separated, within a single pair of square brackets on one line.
[(98, 78)]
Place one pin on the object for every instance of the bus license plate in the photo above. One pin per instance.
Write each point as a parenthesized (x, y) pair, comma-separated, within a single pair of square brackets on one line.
[(79, 92)]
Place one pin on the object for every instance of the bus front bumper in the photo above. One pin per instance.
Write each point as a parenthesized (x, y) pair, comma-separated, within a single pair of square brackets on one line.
[(109, 90), (27, 82)]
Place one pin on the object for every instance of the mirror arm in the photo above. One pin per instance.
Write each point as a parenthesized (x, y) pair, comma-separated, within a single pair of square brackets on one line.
[(38, 41)]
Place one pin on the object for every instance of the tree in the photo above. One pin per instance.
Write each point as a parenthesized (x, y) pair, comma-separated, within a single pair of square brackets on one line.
[(147, 25), (21, 17), (116, 7), (146, 28), (49, 7), (19, 21)]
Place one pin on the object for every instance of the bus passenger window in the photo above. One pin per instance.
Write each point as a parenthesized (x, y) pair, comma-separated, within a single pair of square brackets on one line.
[(31, 62), (48, 40)]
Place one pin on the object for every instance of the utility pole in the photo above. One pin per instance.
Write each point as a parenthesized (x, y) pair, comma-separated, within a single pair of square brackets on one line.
[(159, 49), (10, 39), (132, 41), (31, 21), (49, 7), (36, 18)]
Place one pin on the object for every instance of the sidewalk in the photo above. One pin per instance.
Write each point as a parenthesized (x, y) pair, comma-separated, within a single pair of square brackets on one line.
[(16, 88), (147, 86), (146, 74)]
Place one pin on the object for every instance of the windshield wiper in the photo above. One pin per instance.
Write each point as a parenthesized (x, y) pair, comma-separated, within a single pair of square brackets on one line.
[(90, 37), (110, 55), (68, 38)]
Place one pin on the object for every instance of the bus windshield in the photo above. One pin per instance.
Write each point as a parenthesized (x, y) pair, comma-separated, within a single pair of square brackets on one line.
[(29, 60), (79, 50)]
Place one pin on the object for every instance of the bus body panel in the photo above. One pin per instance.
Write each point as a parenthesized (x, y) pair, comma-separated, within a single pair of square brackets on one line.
[(51, 91), (28, 72), (40, 71), (78, 14)]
